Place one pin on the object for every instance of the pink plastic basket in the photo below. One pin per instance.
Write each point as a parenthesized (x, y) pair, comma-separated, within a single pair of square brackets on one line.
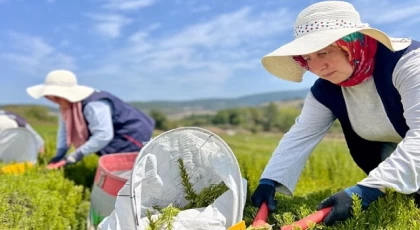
[(110, 168)]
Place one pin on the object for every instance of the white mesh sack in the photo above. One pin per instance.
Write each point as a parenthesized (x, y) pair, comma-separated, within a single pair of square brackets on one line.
[(18, 145), (155, 181)]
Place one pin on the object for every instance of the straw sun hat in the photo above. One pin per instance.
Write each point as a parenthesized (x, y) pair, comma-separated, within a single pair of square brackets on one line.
[(316, 27), (61, 83)]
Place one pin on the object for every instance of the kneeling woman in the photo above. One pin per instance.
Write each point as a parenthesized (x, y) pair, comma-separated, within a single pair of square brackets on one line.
[(92, 121)]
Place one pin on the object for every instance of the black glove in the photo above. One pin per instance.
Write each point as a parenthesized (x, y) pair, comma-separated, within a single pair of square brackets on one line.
[(265, 193), (58, 155), (341, 202)]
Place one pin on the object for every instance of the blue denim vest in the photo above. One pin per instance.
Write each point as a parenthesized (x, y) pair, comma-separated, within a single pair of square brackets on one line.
[(132, 127)]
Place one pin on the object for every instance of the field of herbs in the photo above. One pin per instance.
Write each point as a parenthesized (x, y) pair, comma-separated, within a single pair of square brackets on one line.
[(43, 199)]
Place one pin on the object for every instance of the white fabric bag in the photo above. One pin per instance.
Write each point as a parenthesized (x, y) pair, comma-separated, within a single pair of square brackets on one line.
[(18, 145), (155, 180)]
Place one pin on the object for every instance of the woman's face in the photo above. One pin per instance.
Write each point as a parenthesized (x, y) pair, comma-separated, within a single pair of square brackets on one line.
[(63, 103), (330, 63)]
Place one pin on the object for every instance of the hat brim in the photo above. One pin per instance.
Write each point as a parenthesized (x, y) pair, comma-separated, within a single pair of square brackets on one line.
[(72, 94), (280, 62)]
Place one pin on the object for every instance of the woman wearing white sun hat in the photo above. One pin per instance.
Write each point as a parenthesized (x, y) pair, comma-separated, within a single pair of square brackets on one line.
[(92, 121), (370, 83)]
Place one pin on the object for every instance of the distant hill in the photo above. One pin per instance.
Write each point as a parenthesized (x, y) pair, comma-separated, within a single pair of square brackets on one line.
[(178, 109), (215, 104), (33, 113)]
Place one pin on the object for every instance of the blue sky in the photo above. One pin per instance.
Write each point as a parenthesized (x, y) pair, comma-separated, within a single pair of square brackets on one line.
[(162, 49)]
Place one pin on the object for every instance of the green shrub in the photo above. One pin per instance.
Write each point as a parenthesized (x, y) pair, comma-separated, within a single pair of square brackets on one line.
[(83, 173), (328, 170), (40, 199), (43, 199)]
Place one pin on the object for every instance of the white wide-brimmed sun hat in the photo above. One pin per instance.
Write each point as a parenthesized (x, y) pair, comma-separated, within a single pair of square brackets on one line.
[(61, 83), (316, 27)]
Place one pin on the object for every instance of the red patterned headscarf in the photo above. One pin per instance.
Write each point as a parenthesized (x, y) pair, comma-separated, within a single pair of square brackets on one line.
[(360, 50)]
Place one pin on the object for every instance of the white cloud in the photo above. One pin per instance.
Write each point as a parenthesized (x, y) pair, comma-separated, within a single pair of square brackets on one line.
[(229, 30), (185, 2), (392, 15), (199, 55), (413, 21), (141, 35), (64, 43), (33, 56), (200, 9), (386, 12), (128, 5), (109, 25), (191, 6)]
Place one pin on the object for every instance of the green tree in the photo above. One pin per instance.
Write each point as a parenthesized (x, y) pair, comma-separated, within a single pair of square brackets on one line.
[(287, 117), (221, 117), (236, 117), (257, 116), (197, 120), (161, 120), (271, 113)]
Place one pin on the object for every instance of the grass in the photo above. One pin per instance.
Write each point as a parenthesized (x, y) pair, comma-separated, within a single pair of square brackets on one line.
[(328, 170)]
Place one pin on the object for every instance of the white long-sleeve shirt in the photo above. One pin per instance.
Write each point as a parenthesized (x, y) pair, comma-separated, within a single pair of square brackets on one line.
[(400, 171)]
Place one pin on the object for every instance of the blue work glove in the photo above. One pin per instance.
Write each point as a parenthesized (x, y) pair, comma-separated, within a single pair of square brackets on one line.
[(58, 155), (265, 192), (73, 158), (342, 202)]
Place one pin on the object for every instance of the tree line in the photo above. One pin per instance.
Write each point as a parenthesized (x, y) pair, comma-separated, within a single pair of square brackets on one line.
[(269, 118)]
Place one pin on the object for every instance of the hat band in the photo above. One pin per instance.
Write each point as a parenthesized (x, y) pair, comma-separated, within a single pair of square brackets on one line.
[(325, 24)]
